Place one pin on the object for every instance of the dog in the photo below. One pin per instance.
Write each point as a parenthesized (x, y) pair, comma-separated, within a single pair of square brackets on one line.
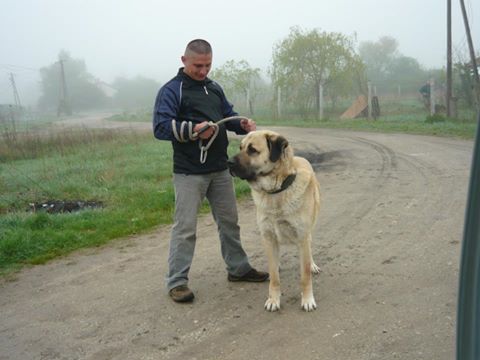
[(286, 193)]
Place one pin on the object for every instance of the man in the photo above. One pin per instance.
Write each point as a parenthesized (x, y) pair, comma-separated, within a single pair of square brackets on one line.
[(425, 91), (185, 109)]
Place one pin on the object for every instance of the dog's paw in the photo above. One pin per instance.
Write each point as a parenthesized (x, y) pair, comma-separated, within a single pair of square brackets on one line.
[(272, 305), (314, 268), (309, 304)]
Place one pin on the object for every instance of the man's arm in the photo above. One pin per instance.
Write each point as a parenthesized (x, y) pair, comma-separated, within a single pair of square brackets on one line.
[(167, 105), (166, 108)]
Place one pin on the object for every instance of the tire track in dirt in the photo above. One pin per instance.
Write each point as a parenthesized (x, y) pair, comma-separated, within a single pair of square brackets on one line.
[(378, 174), (365, 207)]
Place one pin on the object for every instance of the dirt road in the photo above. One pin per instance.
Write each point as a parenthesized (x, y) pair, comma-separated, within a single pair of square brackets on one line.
[(388, 242)]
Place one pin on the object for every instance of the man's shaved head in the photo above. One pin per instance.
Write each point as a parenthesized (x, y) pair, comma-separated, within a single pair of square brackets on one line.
[(198, 46)]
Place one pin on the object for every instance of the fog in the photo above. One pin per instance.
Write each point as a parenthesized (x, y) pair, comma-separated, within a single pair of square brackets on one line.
[(146, 37)]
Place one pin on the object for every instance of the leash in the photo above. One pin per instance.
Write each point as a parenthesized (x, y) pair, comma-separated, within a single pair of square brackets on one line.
[(194, 135)]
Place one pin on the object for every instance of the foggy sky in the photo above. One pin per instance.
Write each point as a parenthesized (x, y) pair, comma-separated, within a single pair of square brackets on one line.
[(147, 37)]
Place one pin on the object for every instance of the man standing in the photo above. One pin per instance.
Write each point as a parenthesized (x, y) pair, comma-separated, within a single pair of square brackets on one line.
[(185, 109)]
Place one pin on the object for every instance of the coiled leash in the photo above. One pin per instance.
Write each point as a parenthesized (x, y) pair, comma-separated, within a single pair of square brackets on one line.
[(194, 135)]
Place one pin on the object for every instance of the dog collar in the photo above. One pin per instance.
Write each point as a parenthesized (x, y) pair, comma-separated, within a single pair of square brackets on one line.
[(285, 184)]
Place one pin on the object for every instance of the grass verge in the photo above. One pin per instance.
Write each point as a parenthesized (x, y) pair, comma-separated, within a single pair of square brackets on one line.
[(417, 125), (130, 174)]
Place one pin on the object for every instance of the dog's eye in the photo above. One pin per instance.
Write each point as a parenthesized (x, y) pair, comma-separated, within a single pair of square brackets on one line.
[(251, 150)]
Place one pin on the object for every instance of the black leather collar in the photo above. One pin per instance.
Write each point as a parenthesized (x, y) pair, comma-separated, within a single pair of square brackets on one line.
[(285, 184)]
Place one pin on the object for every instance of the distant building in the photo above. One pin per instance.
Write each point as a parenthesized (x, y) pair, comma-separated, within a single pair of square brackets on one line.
[(10, 112), (107, 89)]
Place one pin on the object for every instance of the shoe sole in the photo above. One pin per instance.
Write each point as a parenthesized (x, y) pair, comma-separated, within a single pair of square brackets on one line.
[(187, 297), (184, 299), (247, 280)]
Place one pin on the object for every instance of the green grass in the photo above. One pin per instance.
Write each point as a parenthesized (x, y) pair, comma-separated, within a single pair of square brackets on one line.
[(412, 124), (130, 174)]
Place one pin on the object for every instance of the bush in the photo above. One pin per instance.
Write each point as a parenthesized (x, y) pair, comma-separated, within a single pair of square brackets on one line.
[(430, 119)]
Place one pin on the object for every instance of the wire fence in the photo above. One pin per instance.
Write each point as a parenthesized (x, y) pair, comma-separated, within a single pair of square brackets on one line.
[(386, 101)]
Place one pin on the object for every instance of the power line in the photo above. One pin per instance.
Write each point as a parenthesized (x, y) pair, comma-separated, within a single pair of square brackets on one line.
[(13, 67), (472, 54)]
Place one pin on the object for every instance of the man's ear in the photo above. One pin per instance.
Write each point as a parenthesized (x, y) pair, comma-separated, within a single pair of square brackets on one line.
[(277, 146)]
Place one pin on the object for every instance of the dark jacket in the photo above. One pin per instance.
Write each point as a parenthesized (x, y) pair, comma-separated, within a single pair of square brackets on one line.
[(186, 100)]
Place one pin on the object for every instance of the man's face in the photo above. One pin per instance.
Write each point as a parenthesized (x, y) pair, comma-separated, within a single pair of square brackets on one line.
[(197, 66)]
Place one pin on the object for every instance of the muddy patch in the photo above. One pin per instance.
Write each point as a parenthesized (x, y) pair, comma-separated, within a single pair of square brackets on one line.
[(325, 161), (64, 206)]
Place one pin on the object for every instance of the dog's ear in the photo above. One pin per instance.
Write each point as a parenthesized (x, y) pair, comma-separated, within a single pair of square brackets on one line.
[(277, 146)]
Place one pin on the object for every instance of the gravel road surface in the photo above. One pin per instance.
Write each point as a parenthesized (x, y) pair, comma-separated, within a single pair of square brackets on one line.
[(388, 242)]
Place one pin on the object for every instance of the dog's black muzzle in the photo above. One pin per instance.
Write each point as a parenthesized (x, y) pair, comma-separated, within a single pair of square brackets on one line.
[(236, 169), (231, 166)]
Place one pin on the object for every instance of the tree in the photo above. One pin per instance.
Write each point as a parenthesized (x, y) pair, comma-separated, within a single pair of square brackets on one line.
[(378, 57), (307, 59), (135, 93), (238, 78), (407, 73), (82, 92), (387, 68)]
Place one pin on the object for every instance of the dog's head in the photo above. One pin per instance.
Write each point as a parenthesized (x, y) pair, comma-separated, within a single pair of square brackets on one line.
[(261, 153)]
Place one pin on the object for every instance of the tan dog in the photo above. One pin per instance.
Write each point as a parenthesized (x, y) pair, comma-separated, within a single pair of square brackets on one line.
[(287, 196)]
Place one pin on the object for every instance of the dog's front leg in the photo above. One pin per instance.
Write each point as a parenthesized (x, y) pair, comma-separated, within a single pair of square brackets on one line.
[(272, 250), (308, 301)]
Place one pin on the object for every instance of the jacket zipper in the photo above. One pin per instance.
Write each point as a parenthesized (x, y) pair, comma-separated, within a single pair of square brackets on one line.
[(205, 88)]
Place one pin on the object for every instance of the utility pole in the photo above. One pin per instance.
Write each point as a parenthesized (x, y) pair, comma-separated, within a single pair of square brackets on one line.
[(16, 97), (279, 102), (63, 83), (432, 96), (472, 55), (369, 99), (320, 101), (449, 58), (63, 106)]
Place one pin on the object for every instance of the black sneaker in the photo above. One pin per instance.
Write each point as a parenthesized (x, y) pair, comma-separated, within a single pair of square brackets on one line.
[(251, 276), (181, 294)]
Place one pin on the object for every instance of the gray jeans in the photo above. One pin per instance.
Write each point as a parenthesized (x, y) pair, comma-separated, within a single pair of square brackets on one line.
[(190, 190)]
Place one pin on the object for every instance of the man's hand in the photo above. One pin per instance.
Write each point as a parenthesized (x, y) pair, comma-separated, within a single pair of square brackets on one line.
[(248, 125), (207, 133)]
